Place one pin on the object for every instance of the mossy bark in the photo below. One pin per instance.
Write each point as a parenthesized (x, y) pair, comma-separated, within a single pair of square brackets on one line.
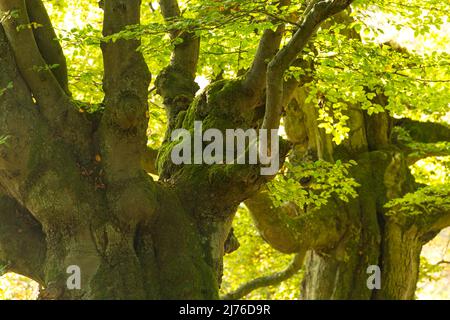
[(85, 200), (74, 185), (345, 238)]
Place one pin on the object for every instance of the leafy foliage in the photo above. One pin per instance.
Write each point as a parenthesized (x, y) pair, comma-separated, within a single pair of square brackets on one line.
[(313, 183), (422, 202)]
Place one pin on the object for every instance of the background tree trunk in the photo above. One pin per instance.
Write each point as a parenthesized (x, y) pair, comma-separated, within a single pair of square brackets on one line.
[(344, 239)]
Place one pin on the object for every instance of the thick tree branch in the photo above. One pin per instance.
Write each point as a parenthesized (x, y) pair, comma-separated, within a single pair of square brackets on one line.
[(268, 47), (419, 151), (292, 84), (22, 241), (270, 280), (289, 231), (176, 83), (422, 139), (19, 117), (424, 132), (271, 223), (315, 14), (123, 128), (427, 210), (409, 224), (47, 42), (126, 81), (45, 87), (441, 222), (48, 85), (185, 55)]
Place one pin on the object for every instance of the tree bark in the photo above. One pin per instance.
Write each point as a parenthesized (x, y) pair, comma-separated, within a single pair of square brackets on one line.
[(344, 239), (74, 191)]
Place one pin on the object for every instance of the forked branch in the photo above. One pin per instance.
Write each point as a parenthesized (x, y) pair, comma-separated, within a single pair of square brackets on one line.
[(46, 89), (315, 14), (185, 54), (268, 47), (47, 42), (176, 83), (37, 73)]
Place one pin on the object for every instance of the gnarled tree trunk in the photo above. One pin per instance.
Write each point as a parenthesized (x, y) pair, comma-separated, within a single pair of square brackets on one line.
[(74, 191), (344, 239)]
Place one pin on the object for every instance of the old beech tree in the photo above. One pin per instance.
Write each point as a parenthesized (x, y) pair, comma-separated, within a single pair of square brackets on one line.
[(75, 187)]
